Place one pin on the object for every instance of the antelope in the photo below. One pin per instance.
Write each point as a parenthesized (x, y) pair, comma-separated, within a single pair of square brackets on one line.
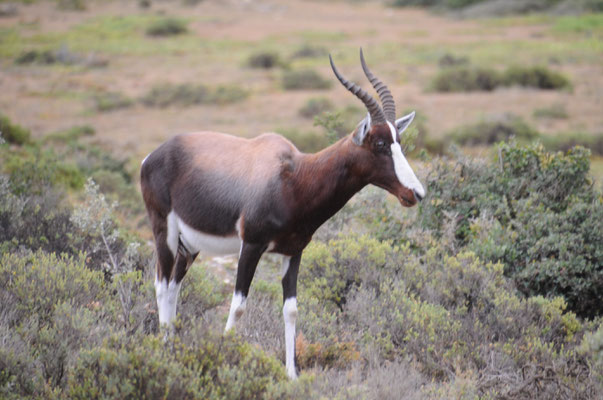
[(220, 194)]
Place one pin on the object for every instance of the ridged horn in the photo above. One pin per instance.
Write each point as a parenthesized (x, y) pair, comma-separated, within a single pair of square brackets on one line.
[(387, 100), (377, 115)]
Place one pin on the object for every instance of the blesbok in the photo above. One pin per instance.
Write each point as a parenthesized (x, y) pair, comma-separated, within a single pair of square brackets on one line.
[(220, 194)]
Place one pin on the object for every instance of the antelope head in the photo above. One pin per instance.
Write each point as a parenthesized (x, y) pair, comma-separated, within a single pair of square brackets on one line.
[(378, 138)]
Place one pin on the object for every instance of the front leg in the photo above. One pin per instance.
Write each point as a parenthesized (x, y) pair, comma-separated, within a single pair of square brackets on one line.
[(290, 269), (248, 260)]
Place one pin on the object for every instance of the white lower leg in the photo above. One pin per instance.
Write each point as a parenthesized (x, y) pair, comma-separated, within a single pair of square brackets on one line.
[(167, 299), (236, 310), (290, 316)]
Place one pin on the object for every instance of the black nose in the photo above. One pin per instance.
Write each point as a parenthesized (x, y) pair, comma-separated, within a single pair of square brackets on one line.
[(417, 196)]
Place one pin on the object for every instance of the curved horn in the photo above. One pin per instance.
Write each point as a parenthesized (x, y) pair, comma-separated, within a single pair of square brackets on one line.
[(370, 103), (387, 100)]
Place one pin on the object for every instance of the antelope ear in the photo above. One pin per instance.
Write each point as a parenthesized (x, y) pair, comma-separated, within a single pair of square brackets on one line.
[(361, 130), (402, 123)]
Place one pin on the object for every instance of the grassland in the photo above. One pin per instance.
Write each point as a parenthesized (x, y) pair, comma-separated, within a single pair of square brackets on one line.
[(98, 93)]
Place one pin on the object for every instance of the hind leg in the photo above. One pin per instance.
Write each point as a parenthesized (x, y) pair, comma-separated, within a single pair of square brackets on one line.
[(173, 261)]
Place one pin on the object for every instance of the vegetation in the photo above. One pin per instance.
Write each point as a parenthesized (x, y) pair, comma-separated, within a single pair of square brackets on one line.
[(184, 95), (304, 79), (468, 79), (493, 131), (13, 133), (111, 101), (167, 27), (496, 7), (490, 288), (316, 105), (264, 60)]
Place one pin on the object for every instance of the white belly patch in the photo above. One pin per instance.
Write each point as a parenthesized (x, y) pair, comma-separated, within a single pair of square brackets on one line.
[(196, 241)]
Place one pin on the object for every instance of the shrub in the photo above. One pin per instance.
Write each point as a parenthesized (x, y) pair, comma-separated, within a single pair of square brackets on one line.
[(37, 282), (536, 77), (184, 95), (13, 133), (308, 142), (32, 170), (567, 141), (72, 5), (228, 95), (469, 79), (167, 26), (216, 367), (34, 221), (264, 60), (495, 130), (305, 79), (547, 219), (34, 56), (166, 95), (554, 111), (466, 79), (69, 136), (111, 101), (310, 51), (450, 60), (406, 3), (314, 106)]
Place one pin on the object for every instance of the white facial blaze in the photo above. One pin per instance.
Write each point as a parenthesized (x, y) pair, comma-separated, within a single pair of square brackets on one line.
[(404, 172)]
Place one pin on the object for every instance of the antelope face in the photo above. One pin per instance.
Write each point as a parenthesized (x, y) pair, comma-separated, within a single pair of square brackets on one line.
[(389, 169), (379, 134)]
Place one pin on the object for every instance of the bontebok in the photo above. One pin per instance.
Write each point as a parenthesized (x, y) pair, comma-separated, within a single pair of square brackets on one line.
[(219, 194)]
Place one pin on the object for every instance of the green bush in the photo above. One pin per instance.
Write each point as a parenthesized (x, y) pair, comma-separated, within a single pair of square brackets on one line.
[(33, 169), (537, 77), (228, 95), (494, 131), (554, 111), (37, 282), (71, 5), (13, 133), (466, 79), (111, 101), (469, 79), (264, 60), (565, 142), (166, 95), (305, 79), (185, 95), (308, 142), (167, 26), (546, 211), (315, 106), (216, 367), (310, 51)]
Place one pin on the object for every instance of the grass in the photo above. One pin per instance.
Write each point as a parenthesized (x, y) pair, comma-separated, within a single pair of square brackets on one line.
[(111, 101), (590, 24), (167, 27), (113, 35), (186, 94), (264, 60), (304, 79), (554, 111), (468, 79)]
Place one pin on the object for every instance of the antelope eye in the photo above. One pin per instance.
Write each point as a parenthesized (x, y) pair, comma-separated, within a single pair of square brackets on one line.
[(380, 144)]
